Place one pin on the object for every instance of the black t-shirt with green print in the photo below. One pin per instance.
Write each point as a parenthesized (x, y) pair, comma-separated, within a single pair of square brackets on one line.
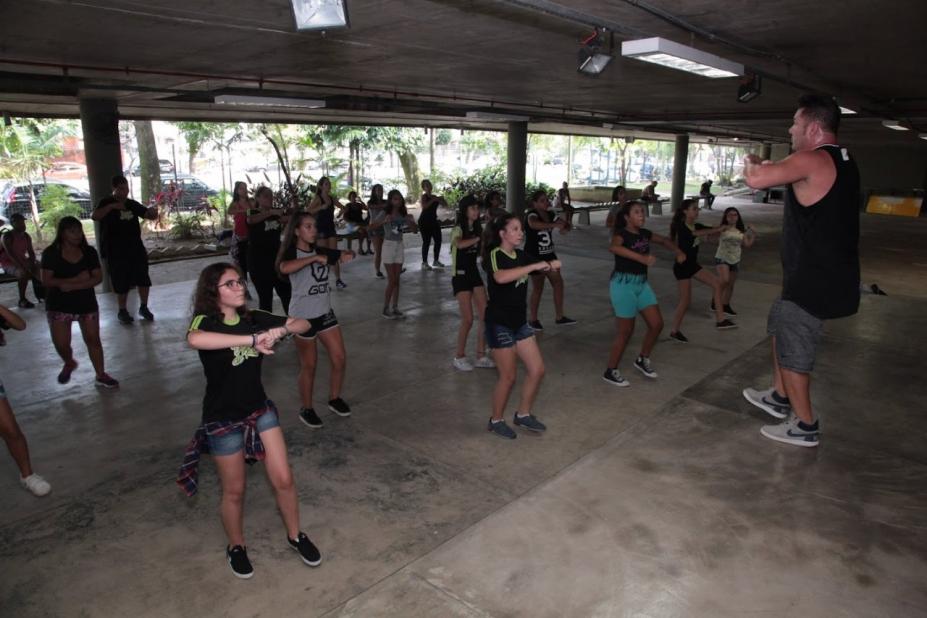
[(233, 375)]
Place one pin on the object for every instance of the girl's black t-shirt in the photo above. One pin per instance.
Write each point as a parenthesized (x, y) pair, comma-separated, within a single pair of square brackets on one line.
[(354, 213), (233, 375), (638, 243), (78, 301), (264, 237), (687, 241), (508, 302)]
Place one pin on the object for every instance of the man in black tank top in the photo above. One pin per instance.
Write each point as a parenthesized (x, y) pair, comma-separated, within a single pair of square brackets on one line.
[(820, 260)]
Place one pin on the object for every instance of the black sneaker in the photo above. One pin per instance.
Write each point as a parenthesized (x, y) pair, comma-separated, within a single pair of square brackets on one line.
[(536, 325), (339, 407), (379, 275), (310, 418), (307, 551), (725, 324), (501, 429), (729, 311), (565, 321), (124, 317), (238, 560), (678, 336), (642, 364), (146, 313)]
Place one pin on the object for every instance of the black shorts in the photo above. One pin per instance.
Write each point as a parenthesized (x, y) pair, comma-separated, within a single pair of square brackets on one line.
[(686, 270), (320, 325), (466, 282), (126, 274)]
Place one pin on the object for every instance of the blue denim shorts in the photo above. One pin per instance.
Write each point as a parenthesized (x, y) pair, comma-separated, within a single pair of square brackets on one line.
[(499, 336), (234, 441)]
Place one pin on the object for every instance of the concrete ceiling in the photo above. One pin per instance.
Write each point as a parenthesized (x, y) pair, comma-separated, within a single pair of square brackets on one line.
[(430, 61)]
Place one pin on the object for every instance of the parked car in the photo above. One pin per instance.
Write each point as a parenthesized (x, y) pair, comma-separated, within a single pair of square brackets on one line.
[(67, 170), (164, 165), (14, 198), (193, 191)]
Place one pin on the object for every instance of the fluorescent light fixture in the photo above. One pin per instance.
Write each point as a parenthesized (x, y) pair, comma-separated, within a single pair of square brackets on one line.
[(592, 61), (675, 56), (922, 135), (320, 14), (496, 117), (894, 124), (846, 111), (244, 99)]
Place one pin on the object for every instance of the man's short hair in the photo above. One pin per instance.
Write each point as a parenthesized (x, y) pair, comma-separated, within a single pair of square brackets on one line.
[(822, 109), (119, 180), (17, 216)]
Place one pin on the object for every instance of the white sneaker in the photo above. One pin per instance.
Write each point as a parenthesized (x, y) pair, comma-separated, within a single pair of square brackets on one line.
[(426, 266), (463, 364), (484, 362), (36, 484)]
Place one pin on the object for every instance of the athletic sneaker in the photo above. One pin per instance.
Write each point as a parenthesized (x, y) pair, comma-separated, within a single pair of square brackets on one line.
[(36, 484), (399, 315), (340, 284), (565, 321), (388, 314), (462, 364), (307, 550), (310, 418), (124, 317), (791, 432), (238, 561), (379, 275), (146, 313), (501, 429), (536, 325), (339, 406), (643, 365), (765, 401), (437, 265), (106, 381), (65, 375), (614, 377), (484, 362), (725, 324), (729, 311), (426, 266), (25, 304), (678, 336), (529, 421)]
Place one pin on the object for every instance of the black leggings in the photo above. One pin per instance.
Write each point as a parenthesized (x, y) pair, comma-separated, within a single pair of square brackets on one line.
[(266, 280), (430, 231)]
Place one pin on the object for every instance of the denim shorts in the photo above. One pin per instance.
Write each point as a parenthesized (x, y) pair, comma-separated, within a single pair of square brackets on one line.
[(499, 336), (797, 334), (234, 441), (733, 267)]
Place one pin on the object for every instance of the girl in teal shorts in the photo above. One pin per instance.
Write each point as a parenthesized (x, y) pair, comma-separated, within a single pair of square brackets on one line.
[(630, 292)]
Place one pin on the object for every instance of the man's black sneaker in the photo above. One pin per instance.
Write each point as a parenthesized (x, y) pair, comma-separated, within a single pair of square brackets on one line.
[(307, 551), (146, 313), (565, 321), (124, 317), (310, 418), (536, 325), (678, 336), (729, 311), (339, 407), (725, 324), (238, 560)]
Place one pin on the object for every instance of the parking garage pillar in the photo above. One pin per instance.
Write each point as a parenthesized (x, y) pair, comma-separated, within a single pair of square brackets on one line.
[(99, 120), (517, 161), (680, 160)]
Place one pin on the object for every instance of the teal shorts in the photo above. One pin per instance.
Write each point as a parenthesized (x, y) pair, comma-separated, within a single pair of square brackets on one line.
[(630, 294)]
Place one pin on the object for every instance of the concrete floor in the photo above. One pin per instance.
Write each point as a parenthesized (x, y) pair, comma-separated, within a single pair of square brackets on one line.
[(658, 500)]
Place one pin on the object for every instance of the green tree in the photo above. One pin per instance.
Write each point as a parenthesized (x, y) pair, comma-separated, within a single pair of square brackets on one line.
[(197, 135), (149, 168)]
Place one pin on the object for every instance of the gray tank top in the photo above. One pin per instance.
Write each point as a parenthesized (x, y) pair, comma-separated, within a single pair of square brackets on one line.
[(310, 285)]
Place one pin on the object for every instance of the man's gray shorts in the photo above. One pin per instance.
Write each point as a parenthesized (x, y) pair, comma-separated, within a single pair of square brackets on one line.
[(797, 334)]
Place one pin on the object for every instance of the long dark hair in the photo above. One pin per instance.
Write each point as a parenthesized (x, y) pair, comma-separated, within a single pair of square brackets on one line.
[(261, 191), (679, 217), (621, 217), (206, 294), (389, 203), (536, 196), (463, 221), (318, 186), (491, 238), (740, 220), (289, 236), (238, 183), (616, 192), (487, 201), (65, 224), (373, 194)]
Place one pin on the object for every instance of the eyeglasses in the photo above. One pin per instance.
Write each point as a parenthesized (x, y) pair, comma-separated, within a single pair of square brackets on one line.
[(234, 283)]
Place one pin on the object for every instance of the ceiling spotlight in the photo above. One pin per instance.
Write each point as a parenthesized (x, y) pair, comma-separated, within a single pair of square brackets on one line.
[(243, 99), (675, 56), (320, 14), (846, 111), (592, 58), (749, 88), (894, 124)]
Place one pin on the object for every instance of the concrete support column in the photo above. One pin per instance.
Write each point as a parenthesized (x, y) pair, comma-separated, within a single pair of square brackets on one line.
[(99, 120), (766, 151), (680, 160), (517, 161)]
